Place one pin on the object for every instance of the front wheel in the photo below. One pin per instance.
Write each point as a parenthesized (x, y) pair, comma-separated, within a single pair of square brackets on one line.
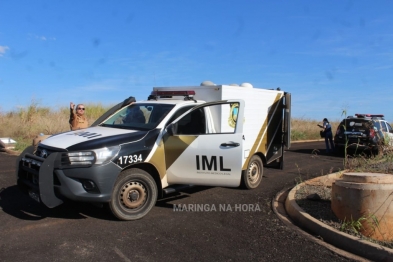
[(252, 177), (134, 195)]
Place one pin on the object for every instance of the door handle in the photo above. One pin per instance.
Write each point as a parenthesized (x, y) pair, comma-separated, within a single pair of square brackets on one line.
[(230, 144)]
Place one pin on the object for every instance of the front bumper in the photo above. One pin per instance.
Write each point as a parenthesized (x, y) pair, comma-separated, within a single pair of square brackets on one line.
[(355, 145), (54, 183)]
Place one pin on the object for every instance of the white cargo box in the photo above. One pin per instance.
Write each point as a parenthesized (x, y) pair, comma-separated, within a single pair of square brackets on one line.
[(261, 107)]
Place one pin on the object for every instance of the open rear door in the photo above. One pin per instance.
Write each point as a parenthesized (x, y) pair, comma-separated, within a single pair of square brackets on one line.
[(287, 120)]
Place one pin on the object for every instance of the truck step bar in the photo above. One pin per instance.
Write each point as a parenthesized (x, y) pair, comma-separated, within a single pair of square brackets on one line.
[(175, 188)]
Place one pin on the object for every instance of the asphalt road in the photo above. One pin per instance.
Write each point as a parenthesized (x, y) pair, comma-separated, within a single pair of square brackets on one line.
[(82, 232)]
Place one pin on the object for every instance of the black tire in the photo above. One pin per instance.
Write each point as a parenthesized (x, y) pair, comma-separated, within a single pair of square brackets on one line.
[(137, 184), (375, 151), (252, 177)]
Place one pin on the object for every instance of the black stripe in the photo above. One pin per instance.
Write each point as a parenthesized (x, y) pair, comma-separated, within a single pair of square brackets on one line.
[(108, 141), (139, 150)]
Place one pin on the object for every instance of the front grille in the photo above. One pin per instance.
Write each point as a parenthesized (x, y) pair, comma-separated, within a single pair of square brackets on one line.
[(29, 168), (32, 162), (43, 152)]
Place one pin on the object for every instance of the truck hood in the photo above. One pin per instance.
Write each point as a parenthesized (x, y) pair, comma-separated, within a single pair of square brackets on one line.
[(93, 137)]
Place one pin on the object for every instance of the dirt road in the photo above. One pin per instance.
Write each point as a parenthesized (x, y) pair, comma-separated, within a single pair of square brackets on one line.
[(223, 229)]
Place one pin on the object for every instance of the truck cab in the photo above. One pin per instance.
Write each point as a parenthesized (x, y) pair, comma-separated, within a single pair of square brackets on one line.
[(143, 150)]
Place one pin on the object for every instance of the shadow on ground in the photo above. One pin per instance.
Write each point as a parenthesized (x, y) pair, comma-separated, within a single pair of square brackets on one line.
[(20, 205)]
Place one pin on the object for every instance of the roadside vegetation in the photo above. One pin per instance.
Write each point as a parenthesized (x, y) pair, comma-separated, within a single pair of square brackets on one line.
[(24, 124), (307, 129), (315, 199)]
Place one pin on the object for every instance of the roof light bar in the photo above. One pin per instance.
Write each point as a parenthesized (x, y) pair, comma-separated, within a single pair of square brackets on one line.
[(368, 115), (174, 93)]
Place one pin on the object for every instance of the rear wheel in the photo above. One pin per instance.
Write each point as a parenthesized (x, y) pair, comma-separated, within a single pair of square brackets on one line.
[(376, 150), (252, 177), (134, 195)]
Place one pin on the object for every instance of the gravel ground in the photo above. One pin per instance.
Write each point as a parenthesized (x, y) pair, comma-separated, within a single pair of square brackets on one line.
[(315, 200)]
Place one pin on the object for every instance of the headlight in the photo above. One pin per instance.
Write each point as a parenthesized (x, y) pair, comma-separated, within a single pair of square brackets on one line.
[(81, 158), (104, 155), (87, 158)]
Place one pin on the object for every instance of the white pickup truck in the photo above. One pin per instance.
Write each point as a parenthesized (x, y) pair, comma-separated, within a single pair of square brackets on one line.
[(215, 135)]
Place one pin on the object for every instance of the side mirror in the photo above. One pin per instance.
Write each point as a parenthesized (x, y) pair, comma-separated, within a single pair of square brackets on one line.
[(171, 129)]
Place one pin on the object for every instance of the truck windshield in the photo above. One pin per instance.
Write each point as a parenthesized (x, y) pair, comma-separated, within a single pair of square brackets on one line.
[(138, 116)]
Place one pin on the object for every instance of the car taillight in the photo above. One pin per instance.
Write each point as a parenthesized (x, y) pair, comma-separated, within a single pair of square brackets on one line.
[(338, 131), (372, 133)]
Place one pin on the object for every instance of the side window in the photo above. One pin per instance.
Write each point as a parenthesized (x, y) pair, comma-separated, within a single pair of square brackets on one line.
[(383, 127), (211, 119), (390, 129), (377, 125), (193, 123), (178, 113)]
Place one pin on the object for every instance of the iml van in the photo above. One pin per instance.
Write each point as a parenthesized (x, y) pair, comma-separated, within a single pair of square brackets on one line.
[(140, 151)]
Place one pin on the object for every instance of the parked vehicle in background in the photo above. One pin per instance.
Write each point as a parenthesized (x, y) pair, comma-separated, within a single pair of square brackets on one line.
[(363, 132)]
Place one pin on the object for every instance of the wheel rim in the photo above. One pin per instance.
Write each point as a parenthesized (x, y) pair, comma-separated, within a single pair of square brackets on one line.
[(254, 173), (133, 195)]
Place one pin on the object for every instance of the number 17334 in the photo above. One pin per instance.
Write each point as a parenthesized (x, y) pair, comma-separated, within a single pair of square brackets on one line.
[(129, 159)]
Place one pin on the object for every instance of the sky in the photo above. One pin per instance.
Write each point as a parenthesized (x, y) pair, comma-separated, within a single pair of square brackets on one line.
[(334, 57)]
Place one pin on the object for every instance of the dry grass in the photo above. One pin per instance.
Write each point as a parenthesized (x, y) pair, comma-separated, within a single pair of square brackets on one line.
[(381, 163), (304, 129), (24, 124)]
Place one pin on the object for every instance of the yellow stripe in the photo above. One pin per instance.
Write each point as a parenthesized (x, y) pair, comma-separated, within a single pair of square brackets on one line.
[(168, 151), (158, 160), (261, 139), (175, 146)]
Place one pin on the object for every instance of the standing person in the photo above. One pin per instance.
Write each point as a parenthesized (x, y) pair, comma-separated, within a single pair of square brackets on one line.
[(327, 128), (78, 119)]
